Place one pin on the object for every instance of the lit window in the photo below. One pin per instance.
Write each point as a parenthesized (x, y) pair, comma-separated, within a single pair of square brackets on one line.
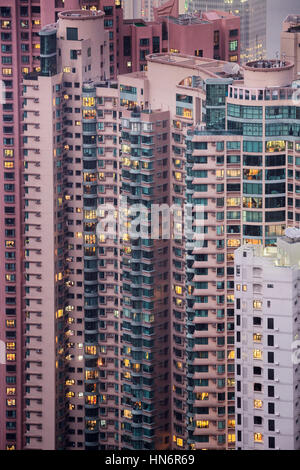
[(258, 404), (202, 424), (127, 414), (258, 437), (178, 290), (6, 71), (11, 402), (231, 355), (257, 337), (231, 437), (10, 357), (257, 304), (67, 69), (257, 354)]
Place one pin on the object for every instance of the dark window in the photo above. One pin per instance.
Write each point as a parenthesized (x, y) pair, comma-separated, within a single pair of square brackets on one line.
[(72, 34), (271, 391), (270, 357), (127, 46), (271, 408), (257, 420), (271, 442)]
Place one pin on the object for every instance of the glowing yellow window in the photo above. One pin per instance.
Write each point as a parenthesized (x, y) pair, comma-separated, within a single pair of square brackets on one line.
[(231, 437), (202, 424), (233, 242), (178, 302), (9, 164), (178, 175), (258, 404), (67, 69), (8, 153), (238, 287), (88, 102), (179, 442), (257, 354), (11, 402), (10, 357), (257, 304), (10, 346), (231, 355), (126, 363), (244, 287), (202, 396), (10, 323), (231, 423), (233, 173), (6, 71), (25, 70), (91, 350), (178, 290), (10, 391), (257, 337), (127, 414), (258, 437)]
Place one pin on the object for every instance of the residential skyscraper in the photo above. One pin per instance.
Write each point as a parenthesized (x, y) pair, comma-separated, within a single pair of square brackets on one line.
[(242, 167), (290, 40), (60, 196), (127, 342), (141, 9), (253, 15), (267, 327)]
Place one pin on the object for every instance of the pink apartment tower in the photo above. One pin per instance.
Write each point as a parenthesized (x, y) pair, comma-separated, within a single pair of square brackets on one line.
[(97, 351)]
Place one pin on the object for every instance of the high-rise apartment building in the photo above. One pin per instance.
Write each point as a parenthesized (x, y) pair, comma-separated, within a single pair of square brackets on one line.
[(290, 42), (20, 23), (253, 14), (141, 9), (62, 284), (23, 412), (128, 341), (267, 325)]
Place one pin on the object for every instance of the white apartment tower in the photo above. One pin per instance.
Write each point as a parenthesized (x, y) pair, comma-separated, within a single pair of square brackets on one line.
[(267, 289)]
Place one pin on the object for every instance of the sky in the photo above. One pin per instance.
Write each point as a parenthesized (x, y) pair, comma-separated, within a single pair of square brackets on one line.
[(278, 10)]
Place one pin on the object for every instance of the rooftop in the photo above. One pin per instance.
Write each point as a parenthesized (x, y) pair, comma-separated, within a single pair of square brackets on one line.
[(81, 14), (266, 65)]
